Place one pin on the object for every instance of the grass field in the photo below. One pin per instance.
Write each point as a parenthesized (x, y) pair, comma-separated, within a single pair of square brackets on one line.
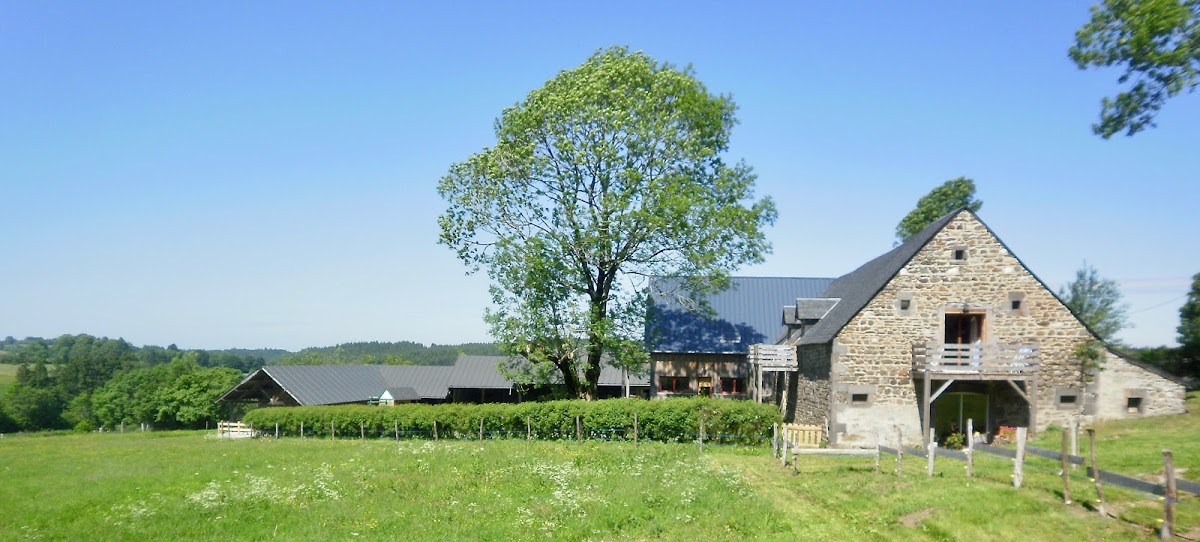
[(187, 485), (191, 486)]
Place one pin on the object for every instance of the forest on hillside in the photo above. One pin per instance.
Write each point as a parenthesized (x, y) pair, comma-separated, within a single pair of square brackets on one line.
[(83, 382)]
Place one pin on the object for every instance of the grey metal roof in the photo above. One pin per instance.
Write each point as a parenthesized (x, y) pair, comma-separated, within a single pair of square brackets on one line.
[(744, 314), (480, 372), (858, 287), (403, 394), (328, 384), (430, 381)]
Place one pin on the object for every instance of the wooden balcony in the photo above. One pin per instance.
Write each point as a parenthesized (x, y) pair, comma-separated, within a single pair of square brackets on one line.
[(975, 361)]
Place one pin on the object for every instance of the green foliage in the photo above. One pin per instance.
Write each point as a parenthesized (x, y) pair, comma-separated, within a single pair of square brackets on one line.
[(1158, 43), (34, 408), (1189, 327), (951, 196), (612, 171), (1096, 301), (1091, 358), (955, 441), (178, 394), (665, 420), (387, 353)]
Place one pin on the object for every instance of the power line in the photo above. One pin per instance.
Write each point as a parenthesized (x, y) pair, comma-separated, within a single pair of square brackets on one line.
[(1159, 305)]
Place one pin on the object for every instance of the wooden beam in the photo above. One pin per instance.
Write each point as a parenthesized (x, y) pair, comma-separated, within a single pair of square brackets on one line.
[(925, 424), (939, 391), (1018, 390)]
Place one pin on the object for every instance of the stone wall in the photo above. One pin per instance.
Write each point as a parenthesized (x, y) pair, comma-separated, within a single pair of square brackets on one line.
[(810, 404), (1120, 380), (878, 342)]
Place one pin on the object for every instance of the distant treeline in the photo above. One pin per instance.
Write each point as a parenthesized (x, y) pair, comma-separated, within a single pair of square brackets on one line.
[(84, 382)]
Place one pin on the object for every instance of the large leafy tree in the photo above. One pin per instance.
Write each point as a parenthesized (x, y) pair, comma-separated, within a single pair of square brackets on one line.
[(950, 196), (609, 173), (1189, 328), (1096, 301), (1158, 43)]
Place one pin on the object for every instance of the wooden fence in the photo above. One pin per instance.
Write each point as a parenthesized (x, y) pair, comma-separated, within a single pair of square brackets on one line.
[(234, 430)]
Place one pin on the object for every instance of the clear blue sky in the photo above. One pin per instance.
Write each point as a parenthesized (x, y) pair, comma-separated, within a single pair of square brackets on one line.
[(263, 174)]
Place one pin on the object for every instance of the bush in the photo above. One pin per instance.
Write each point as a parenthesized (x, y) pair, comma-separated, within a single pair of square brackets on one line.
[(664, 420)]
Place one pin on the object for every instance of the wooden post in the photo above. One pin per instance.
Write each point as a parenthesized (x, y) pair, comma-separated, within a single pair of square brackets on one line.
[(362, 431), (926, 426), (578, 430), (635, 429), (775, 440), (783, 456), (877, 439), (480, 429), (1074, 439), (276, 430), (301, 429), (701, 434), (1019, 464), (970, 448), (899, 451), (332, 431), (930, 452), (1096, 471), (528, 428), (1168, 526), (122, 427), (435, 435), (1066, 466), (396, 426)]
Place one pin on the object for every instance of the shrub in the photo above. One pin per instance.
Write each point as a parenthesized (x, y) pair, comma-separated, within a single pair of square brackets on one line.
[(664, 420)]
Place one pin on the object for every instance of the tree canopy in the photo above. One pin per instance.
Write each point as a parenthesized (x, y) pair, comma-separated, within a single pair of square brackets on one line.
[(1096, 301), (1189, 327), (941, 201), (1158, 43), (609, 173)]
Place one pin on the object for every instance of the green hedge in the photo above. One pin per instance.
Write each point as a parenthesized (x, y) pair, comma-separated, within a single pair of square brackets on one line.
[(665, 420)]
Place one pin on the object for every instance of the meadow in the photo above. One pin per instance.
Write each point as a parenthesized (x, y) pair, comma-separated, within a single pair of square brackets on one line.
[(192, 486), (8, 376)]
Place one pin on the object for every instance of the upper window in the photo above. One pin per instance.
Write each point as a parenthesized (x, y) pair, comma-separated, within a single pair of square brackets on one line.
[(905, 304), (959, 253), (733, 385), (1017, 305)]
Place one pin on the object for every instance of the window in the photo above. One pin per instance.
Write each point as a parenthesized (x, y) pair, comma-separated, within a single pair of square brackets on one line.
[(1133, 405), (673, 384), (733, 385), (958, 253), (905, 304), (1017, 305), (1068, 398), (860, 398), (858, 395)]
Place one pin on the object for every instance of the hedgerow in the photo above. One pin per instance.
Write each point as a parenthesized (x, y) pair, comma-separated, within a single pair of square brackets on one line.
[(675, 419)]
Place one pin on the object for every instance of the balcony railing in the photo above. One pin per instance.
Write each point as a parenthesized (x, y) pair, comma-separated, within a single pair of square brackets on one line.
[(773, 356), (999, 360)]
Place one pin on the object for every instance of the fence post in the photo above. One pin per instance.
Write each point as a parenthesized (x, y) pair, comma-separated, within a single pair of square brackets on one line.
[(1096, 471), (528, 428), (877, 439), (899, 451), (362, 431), (701, 434), (1074, 439), (481, 429), (122, 427), (635, 429), (435, 435), (277, 430), (302, 430), (930, 452), (783, 456), (578, 430), (1066, 466), (1168, 526), (1019, 464), (970, 448), (775, 439), (332, 431), (396, 426)]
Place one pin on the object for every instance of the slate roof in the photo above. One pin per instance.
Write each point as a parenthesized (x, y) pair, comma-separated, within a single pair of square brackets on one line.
[(857, 288), (328, 384), (478, 372), (744, 314)]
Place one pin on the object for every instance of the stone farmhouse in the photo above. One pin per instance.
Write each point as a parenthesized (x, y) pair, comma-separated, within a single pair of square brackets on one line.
[(946, 327)]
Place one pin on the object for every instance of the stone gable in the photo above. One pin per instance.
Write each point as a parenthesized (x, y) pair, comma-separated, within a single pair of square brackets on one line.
[(966, 268)]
